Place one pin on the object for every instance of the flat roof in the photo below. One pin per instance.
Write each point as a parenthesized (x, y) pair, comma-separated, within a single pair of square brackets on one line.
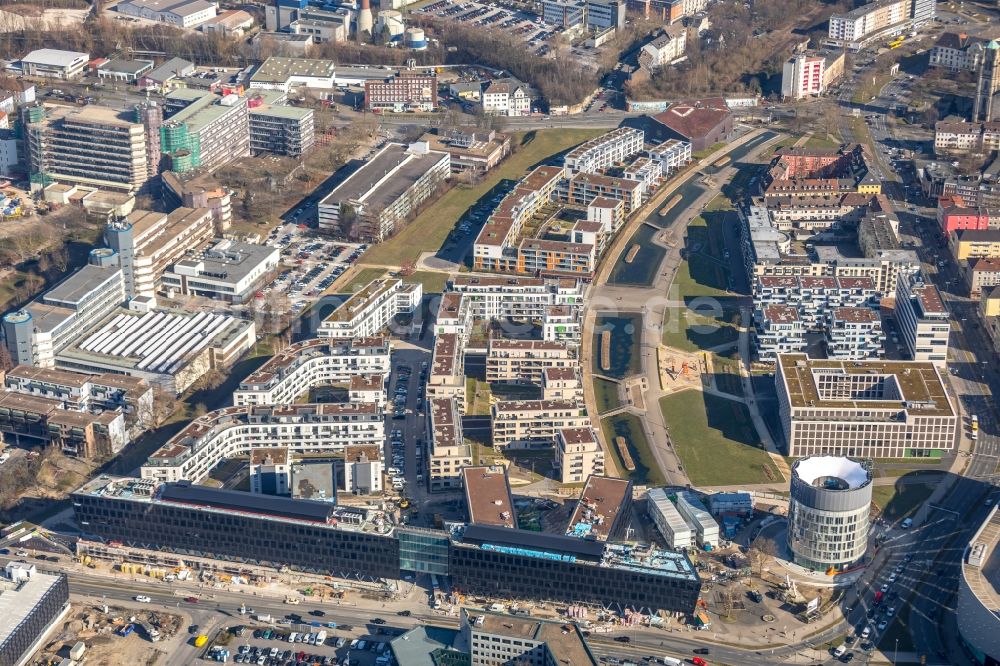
[(184, 492), (281, 111), (79, 284), (55, 57), (361, 299), (370, 185), (488, 499), (18, 600), (492, 534), (126, 66), (228, 260), (923, 392), (279, 69), (564, 641), (981, 568), (314, 481), (602, 503)]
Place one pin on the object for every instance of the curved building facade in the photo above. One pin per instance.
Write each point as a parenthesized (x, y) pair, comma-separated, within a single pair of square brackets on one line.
[(978, 594), (828, 512)]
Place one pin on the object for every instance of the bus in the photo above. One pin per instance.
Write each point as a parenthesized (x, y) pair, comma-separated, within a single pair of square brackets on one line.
[(896, 43)]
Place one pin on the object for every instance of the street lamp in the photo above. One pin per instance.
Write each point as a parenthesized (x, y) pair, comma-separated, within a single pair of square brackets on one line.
[(895, 653)]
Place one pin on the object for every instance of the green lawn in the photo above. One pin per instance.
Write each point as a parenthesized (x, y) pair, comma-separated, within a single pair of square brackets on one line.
[(896, 502), (360, 279), (629, 426), (428, 232), (705, 270), (716, 440), (434, 283), (477, 396), (727, 374), (817, 141), (687, 330), (701, 154), (606, 392), (720, 202)]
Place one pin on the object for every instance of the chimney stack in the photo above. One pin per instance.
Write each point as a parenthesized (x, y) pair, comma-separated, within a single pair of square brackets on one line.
[(365, 22)]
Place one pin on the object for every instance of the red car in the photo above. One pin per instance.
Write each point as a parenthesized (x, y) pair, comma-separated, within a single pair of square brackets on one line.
[(698, 661), (191, 600)]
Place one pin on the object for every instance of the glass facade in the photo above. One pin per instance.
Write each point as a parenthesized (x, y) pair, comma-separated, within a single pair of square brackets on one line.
[(423, 551), (46, 609)]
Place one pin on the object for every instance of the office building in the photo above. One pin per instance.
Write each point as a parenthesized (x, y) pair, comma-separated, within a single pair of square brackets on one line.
[(978, 588), (604, 151), (313, 480), (869, 22), (472, 150), (204, 131), (528, 423), (668, 11), (302, 366), (578, 453), (603, 511), (828, 512), (488, 500), (148, 244), (449, 453), (524, 361), (366, 313), (735, 504), (170, 349), (668, 520), (605, 15), (403, 92), (54, 63), (379, 198), (497, 640), (32, 606), (302, 428), (42, 329), (93, 146), (924, 11), (178, 13), (564, 13), (226, 270), (864, 409), (706, 530), (924, 321), (279, 129), (322, 538)]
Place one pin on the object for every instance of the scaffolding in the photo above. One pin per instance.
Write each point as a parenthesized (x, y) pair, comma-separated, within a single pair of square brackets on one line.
[(181, 146)]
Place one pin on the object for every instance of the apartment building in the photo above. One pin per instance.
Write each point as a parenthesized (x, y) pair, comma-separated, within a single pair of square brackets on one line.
[(604, 151), (967, 244), (562, 384), (488, 500), (646, 171), (552, 257), (149, 243), (853, 334), (281, 130), (376, 201), (503, 228), (562, 323), (953, 214), (454, 315), (869, 22), (32, 421), (515, 297), (953, 51), (956, 137), (584, 187), (40, 330), (80, 392), (403, 92), (525, 361), (226, 270), (664, 49), (604, 510), (981, 275), (668, 520), (578, 455), (863, 409), (668, 11), (504, 98), (811, 74), (527, 423), (814, 296), (303, 428), (366, 313), (270, 469), (446, 378), (302, 366), (93, 146), (448, 453), (671, 154), (204, 131), (924, 322), (778, 329)]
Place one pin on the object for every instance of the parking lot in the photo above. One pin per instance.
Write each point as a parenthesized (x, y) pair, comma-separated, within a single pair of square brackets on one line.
[(528, 26), (310, 264), (307, 645)]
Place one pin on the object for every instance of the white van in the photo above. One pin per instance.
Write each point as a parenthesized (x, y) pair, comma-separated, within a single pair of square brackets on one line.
[(907, 524), (839, 652), (866, 633)]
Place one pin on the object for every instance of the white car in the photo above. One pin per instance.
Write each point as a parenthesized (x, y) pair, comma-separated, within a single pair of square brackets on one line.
[(142, 598)]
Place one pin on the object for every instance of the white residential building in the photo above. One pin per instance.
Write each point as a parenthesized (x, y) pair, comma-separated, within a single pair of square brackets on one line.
[(924, 321), (305, 428), (506, 99), (369, 311), (668, 520), (526, 422), (448, 452), (604, 151), (524, 361), (778, 329), (665, 49), (499, 297), (578, 455), (672, 154), (853, 334), (288, 375), (869, 22)]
